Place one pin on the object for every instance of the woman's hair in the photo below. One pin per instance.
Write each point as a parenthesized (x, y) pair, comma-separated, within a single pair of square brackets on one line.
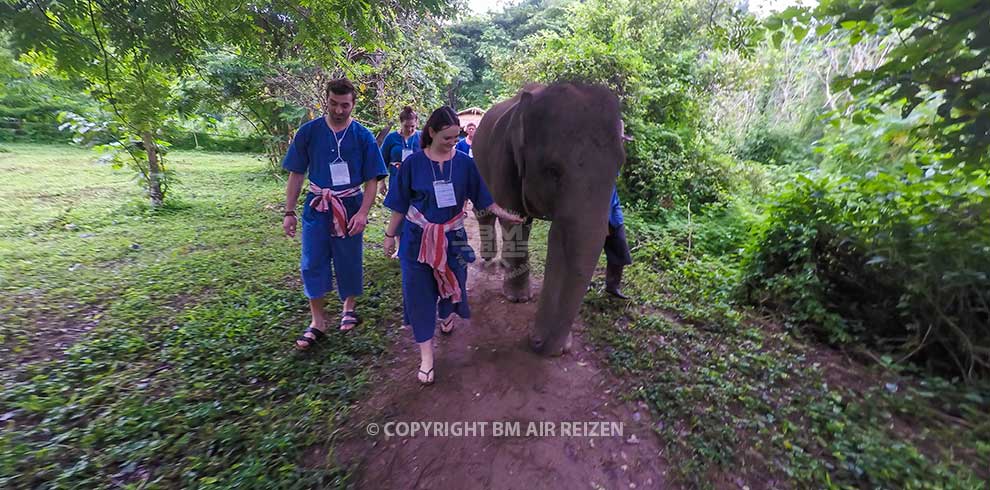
[(407, 114), (468, 125), (441, 119)]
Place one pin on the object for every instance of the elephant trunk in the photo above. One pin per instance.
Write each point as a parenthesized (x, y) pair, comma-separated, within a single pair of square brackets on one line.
[(573, 248)]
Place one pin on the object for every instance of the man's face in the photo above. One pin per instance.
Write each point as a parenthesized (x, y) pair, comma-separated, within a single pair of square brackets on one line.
[(340, 107), (445, 139), (470, 130), (409, 125)]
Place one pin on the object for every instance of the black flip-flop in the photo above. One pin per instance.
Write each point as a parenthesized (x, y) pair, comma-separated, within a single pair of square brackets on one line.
[(429, 380), (318, 335), (349, 320)]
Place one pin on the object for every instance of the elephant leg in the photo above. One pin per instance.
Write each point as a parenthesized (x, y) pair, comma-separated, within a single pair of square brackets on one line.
[(515, 258), (486, 234), (572, 254)]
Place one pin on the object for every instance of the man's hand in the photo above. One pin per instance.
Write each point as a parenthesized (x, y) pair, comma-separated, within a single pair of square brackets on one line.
[(389, 246), (357, 224), (289, 226)]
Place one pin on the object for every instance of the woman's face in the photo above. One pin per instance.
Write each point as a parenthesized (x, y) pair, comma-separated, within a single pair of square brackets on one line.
[(409, 125), (445, 139), (470, 130)]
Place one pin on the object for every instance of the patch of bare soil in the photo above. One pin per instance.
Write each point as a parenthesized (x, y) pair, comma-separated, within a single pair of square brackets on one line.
[(485, 372)]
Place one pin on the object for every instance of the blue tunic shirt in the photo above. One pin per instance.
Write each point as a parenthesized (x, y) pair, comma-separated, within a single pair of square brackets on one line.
[(464, 146), (393, 145), (615, 217), (314, 148), (414, 187)]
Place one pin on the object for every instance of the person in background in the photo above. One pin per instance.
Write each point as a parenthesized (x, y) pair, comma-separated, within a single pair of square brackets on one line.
[(399, 144), (617, 254), (429, 195), (340, 157), (464, 145)]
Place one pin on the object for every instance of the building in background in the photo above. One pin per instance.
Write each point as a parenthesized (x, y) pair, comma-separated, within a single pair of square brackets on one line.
[(470, 115)]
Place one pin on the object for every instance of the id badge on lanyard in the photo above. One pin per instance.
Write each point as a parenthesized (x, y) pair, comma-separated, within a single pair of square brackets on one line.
[(339, 173), (444, 192), (405, 153)]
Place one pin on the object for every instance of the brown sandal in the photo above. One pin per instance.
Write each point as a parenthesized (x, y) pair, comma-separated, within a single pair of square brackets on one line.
[(449, 324), (318, 336), (349, 320)]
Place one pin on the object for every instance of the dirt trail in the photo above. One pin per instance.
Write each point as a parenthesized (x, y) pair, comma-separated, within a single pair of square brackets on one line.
[(484, 373)]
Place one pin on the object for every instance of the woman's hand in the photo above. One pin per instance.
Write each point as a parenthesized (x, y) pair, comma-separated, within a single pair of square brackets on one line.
[(507, 216), (389, 246)]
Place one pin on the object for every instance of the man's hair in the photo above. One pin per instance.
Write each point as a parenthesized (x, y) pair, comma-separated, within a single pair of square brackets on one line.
[(441, 119), (341, 86)]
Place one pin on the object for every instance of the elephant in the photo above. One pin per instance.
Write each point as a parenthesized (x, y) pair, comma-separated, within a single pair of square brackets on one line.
[(551, 152)]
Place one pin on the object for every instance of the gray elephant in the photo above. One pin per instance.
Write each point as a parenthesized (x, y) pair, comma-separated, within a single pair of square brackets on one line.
[(551, 152)]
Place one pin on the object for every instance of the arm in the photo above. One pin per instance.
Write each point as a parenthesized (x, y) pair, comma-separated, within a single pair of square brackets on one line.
[(360, 219), (390, 230), (292, 189), (504, 215)]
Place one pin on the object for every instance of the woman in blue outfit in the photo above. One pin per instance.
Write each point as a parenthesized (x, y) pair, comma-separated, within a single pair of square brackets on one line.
[(400, 144), (429, 194), (464, 145)]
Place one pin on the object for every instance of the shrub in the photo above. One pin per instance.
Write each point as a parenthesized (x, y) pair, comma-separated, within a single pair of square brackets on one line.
[(899, 261)]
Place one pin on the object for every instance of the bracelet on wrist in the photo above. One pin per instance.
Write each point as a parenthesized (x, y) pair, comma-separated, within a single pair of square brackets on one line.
[(290, 212), (389, 236)]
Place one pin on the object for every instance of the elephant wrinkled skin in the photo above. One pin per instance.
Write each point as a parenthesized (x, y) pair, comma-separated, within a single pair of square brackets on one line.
[(551, 152)]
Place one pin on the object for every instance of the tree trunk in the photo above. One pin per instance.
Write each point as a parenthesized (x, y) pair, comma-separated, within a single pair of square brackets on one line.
[(154, 170)]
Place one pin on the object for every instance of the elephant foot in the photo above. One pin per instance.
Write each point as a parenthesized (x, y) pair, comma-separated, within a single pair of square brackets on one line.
[(517, 295), (552, 348)]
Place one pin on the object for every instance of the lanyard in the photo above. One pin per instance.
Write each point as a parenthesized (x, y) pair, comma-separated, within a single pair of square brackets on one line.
[(407, 142), (449, 163), (339, 141)]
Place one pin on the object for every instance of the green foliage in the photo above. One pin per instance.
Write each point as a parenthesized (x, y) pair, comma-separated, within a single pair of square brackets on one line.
[(773, 146), (733, 395), (943, 56), (900, 260), (651, 63), (29, 104), (477, 46)]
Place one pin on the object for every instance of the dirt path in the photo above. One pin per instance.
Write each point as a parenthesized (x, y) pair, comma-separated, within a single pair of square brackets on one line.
[(486, 373)]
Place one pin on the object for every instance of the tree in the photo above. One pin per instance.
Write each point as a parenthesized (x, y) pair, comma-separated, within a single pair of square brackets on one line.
[(131, 52), (939, 53)]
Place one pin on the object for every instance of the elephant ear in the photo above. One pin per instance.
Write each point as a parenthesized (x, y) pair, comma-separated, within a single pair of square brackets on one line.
[(519, 131)]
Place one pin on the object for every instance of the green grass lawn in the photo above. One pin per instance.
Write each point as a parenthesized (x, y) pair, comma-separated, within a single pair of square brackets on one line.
[(181, 370)]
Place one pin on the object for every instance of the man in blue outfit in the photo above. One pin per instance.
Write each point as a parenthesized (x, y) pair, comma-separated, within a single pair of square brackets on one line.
[(617, 254), (340, 157)]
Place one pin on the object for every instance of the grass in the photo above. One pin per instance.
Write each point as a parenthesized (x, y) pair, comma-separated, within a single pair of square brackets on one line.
[(179, 370), (184, 374), (742, 403)]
